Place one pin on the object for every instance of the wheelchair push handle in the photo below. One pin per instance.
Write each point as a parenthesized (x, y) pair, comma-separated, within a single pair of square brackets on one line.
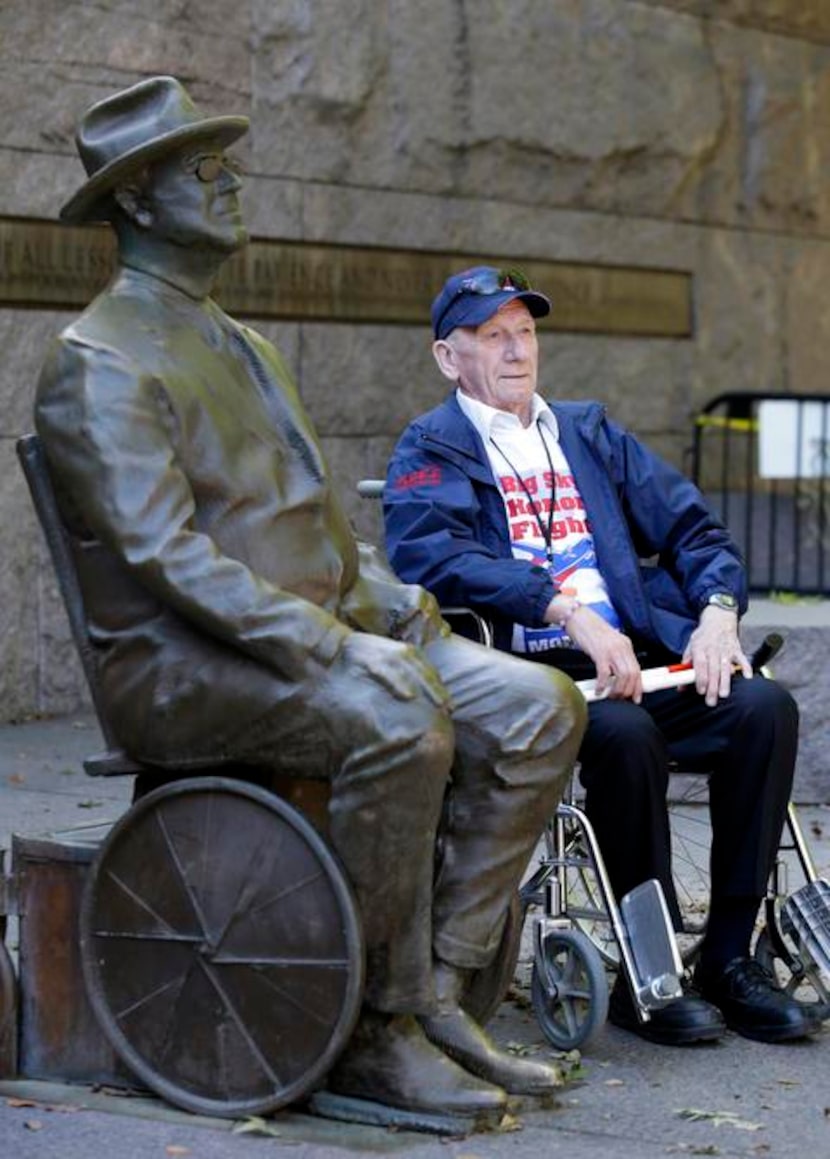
[(767, 650)]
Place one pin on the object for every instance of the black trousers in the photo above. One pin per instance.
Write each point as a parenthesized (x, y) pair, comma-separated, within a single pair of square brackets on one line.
[(747, 743)]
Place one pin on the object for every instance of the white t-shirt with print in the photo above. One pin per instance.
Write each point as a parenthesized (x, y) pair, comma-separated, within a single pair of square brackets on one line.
[(524, 455)]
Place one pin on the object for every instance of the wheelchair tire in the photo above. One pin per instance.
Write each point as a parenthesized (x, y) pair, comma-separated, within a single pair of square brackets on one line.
[(691, 841), (487, 987), (221, 948), (569, 989), (795, 982)]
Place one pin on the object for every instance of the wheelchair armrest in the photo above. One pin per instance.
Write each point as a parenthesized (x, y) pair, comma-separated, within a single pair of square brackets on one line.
[(466, 622), (463, 621)]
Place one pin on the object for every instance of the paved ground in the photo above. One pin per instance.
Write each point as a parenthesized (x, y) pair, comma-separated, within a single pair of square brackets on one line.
[(628, 1100)]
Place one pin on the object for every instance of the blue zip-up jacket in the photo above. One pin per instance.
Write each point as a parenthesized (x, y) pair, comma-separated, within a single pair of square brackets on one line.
[(660, 549)]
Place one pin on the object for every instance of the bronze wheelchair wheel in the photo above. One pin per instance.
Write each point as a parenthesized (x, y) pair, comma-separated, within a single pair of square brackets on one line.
[(222, 949)]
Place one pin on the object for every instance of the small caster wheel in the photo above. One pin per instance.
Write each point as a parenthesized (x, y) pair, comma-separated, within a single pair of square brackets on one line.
[(569, 989)]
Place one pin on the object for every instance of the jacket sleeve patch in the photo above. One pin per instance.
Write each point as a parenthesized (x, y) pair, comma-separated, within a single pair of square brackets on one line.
[(426, 477)]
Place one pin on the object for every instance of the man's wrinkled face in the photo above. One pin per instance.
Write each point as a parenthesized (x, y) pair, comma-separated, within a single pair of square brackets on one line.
[(497, 362), (193, 199)]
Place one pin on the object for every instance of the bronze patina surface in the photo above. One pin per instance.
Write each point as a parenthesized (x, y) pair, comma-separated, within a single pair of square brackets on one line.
[(43, 263), (236, 620)]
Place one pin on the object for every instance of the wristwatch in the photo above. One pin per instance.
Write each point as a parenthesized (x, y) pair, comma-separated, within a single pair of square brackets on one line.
[(723, 600)]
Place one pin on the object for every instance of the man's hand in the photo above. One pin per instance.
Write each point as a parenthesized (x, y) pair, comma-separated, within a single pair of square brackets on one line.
[(715, 650), (618, 671)]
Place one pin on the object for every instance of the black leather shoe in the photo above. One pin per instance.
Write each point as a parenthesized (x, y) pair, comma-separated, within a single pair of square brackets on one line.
[(754, 1005), (460, 1037), (684, 1021)]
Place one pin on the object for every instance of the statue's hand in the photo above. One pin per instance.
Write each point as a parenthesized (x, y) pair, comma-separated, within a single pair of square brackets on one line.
[(399, 668), (417, 618)]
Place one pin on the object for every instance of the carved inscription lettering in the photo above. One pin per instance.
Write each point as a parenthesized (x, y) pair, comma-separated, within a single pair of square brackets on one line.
[(48, 265)]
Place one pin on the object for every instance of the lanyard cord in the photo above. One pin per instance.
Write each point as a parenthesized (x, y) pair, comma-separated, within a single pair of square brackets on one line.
[(545, 532)]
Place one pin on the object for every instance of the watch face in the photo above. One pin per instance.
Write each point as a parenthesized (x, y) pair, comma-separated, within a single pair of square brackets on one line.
[(724, 600)]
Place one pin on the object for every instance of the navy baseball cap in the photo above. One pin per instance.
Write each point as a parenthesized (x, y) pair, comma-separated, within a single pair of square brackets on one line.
[(473, 296)]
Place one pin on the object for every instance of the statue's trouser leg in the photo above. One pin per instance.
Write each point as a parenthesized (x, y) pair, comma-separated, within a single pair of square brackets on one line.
[(507, 743), (518, 727)]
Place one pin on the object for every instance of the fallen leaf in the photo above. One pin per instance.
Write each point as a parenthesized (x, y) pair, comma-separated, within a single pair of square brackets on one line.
[(614, 1083), (718, 1119), (89, 804), (254, 1126), (175, 1149), (576, 1075), (16, 779), (33, 1125), (788, 1082), (21, 1103), (509, 1123)]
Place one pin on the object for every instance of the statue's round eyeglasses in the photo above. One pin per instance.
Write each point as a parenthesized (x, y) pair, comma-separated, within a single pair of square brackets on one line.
[(487, 282), (208, 166)]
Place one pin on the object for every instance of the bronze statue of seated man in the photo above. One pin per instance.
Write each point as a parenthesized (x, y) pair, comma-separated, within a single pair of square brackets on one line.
[(235, 616)]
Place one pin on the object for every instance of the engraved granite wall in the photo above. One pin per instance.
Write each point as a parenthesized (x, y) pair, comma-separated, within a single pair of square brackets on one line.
[(687, 135)]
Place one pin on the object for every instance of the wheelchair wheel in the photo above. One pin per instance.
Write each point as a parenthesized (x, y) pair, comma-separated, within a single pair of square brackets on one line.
[(691, 838), (487, 987), (691, 841), (221, 948), (569, 989), (805, 985)]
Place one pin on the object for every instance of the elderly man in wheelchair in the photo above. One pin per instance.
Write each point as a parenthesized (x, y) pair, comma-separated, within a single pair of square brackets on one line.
[(235, 621), (537, 517)]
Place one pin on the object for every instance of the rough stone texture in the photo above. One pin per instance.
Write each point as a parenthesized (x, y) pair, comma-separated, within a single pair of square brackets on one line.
[(19, 637), (801, 668), (675, 134), (805, 19)]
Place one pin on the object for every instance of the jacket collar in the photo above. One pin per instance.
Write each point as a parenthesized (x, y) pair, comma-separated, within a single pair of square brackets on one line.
[(448, 431)]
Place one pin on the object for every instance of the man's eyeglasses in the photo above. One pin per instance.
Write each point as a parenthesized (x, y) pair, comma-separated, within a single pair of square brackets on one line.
[(208, 167), (485, 282)]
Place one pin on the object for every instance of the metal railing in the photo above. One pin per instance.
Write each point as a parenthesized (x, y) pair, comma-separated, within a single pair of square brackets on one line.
[(763, 462)]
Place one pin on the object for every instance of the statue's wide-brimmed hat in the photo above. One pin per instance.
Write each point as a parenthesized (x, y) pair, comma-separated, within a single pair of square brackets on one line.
[(126, 131)]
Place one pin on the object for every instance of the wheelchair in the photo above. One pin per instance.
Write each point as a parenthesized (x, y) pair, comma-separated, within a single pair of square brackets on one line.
[(581, 933), (219, 946)]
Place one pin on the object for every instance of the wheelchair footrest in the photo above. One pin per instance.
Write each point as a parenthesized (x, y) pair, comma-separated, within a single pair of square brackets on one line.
[(805, 918), (653, 960)]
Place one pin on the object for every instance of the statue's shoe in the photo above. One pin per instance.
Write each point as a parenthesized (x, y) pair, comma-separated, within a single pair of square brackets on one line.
[(460, 1036), (389, 1060)]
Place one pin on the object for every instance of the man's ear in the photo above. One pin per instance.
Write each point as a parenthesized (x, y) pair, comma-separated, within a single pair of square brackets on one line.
[(444, 355), (133, 203)]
